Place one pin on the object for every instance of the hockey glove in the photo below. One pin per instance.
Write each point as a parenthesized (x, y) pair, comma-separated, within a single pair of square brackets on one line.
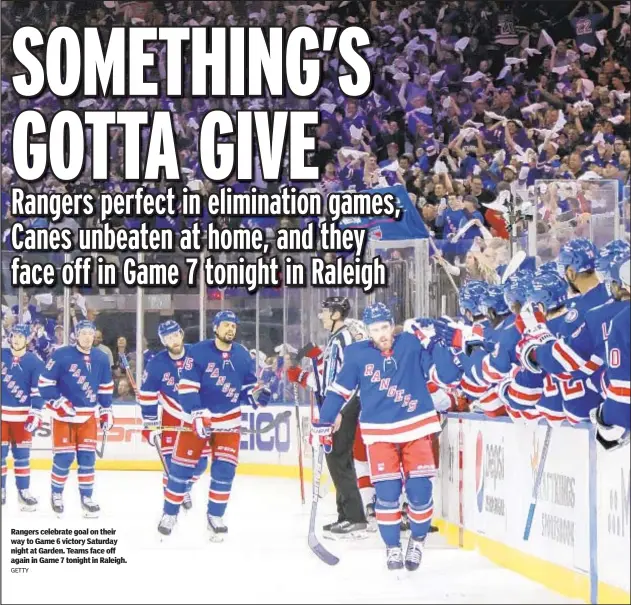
[(610, 437), (322, 432), (202, 423), (149, 432), (460, 337), (297, 375), (63, 407), (527, 347), (106, 418), (309, 350), (426, 333), (259, 396), (33, 420)]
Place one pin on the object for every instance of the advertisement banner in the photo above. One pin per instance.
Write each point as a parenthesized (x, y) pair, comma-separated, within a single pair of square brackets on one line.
[(487, 484), (560, 529), (614, 533), (448, 486)]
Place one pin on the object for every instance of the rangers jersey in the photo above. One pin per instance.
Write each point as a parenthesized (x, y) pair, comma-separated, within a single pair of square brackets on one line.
[(616, 409), (396, 404), (83, 379), (20, 392), (219, 381), (160, 385)]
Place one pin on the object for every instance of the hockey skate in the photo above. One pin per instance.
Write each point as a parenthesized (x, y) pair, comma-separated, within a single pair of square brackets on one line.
[(90, 508), (328, 526), (27, 502), (4, 496), (414, 553), (187, 503), (394, 558), (57, 503), (167, 523), (217, 528), (347, 530)]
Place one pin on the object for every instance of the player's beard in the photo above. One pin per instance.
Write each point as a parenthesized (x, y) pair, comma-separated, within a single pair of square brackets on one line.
[(573, 288), (177, 350), (227, 338)]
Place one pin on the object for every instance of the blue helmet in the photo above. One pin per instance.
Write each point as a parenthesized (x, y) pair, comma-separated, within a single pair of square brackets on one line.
[(619, 269), (549, 290), (23, 329), (84, 324), (517, 287), (225, 316), (578, 254), (616, 245), (493, 298), (470, 297), (549, 267), (376, 313), (608, 252), (168, 327)]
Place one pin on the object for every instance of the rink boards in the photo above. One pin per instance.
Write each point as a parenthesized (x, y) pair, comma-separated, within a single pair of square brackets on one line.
[(579, 541), (580, 536)]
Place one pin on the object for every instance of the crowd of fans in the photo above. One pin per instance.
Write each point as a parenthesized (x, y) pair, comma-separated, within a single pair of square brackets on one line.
[(473, 102)]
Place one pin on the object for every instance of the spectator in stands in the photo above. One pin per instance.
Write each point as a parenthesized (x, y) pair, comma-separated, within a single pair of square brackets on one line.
[(98, 344)]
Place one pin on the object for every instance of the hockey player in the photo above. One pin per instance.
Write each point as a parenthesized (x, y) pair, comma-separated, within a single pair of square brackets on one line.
[(501, 365), (21, 411), (351, 521), (569, 355), (159, 385), (77, 387), (577, 264), (531, 393), (397, 419), (613, 416), (217, 377)]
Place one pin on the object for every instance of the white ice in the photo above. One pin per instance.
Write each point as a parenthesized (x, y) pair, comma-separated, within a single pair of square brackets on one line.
[(264, 560)]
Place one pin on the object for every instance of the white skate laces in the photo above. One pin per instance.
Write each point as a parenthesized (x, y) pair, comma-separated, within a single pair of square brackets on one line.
[(394, 554)]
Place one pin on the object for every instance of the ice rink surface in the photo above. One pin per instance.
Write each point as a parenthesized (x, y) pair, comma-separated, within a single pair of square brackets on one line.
[(265, 559)]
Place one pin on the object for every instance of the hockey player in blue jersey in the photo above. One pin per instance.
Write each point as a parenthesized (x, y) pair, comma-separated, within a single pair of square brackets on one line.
[(218, 376), (160, 387), (501, 366), (21, 411), (397, 420), (577, 264), (613, 416), (536, 389), (77, 387), (569, 355)]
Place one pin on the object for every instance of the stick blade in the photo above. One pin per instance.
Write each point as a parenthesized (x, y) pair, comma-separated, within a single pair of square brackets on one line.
[(514, 265), (322, 553)]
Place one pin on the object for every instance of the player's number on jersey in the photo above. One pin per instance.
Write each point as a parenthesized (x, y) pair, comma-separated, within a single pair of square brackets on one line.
[(614, 358), (572, 389), (550, 388)]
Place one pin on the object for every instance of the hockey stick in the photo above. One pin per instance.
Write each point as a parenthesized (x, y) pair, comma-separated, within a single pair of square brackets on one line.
[(103, 441), (127, 369), (535, 489), (299, 442), (315, 544)]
